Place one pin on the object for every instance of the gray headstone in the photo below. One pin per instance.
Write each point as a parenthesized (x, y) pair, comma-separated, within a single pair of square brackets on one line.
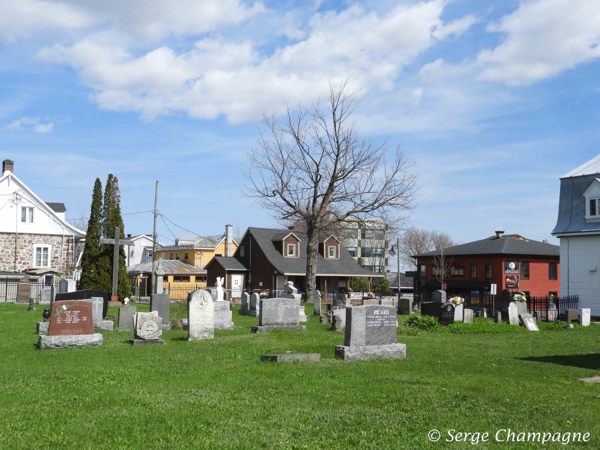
[(521, 307), (498, 317), (67, 285), (387, 302), (438, 296), (201, 315), (223, 315), (513, 314), (302, 315), (245, 303), (160, 286), (125, 315), (23, 292), (585, 317), (530, 324), (147, 325), (45, 296), (468, 316), (405, 306), (571, 315), (317, 303), (370, 325), (341, 313), (160, 304), (279, 311), (97, 305), (255, 304), (336, 323)]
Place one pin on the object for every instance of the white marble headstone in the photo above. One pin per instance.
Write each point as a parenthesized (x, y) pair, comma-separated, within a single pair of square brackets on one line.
[(513, 314), (585, 317), (201, 315)]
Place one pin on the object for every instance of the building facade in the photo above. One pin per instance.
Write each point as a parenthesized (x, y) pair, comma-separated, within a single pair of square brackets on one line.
[(510, 262), (34, 235), (367, 242), (578, 228)]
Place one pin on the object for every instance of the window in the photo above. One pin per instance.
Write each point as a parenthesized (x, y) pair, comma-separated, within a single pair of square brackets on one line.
[(350, 233), (593, 207), (423, 270), (372, 251), (376, 269), (473, 271), (41, 255), (181, 278), (27, 214), (331, 252), (457, 271), (552, 295), (489, 271), (291, 249), (177, 256), (171, 256), (552, 271), (373, 234), (524, 271), (185, 256), (352, 251), (242, 251), (162, 256), (165, 278)]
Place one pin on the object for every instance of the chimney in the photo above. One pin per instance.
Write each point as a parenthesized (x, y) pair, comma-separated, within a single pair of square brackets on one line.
[(229, 239), (499, 233), (9, 165)]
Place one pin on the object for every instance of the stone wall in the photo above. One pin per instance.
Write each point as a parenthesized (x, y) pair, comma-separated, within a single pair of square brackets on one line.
[(61, 257)]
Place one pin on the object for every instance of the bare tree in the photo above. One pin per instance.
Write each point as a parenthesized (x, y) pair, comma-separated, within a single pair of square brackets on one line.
[(442, 267), (413, 242), (312, 167), (441, 240), (81, 222)]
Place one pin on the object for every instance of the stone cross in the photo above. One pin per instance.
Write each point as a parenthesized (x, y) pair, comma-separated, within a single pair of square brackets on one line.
[(116, 242)]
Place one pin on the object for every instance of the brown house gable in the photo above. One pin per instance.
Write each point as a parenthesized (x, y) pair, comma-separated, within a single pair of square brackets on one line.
[(291, 240), (331, 241)]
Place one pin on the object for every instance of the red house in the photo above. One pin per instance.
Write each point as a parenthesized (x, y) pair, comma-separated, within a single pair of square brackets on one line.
[(510, 262)]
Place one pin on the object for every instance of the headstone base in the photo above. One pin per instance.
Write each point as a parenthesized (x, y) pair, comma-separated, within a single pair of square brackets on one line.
[(105, 325), (267, 328), (367, 352), (41, 327), (166, 327), (291, 357), (70, 341), (115, 304), (253, 313), (146, 342)]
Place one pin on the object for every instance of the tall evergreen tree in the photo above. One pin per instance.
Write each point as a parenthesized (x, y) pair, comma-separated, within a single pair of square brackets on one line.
[(104, 266), (93, 248)]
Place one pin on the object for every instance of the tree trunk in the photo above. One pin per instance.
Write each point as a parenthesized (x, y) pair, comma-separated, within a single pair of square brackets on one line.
[(312, 251)]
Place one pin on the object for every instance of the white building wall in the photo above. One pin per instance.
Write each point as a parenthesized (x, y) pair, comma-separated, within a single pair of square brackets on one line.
[(577, 256), (136, 254)]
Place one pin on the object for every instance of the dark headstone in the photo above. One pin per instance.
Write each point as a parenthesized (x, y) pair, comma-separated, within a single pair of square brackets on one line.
[(370, 325), (291, 357), (23, 292), (433, 309), (85, 294), (448, 313), (160, 304), (572, 315), (125, 318), (71, 317), (336, 323)]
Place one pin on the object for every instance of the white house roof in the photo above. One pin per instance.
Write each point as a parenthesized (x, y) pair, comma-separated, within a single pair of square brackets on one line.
[(592, 167)]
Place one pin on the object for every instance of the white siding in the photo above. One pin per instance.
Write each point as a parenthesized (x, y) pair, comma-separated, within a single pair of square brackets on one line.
[(577, 254)]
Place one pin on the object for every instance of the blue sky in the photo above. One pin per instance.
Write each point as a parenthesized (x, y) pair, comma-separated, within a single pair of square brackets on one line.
[(492, 100)]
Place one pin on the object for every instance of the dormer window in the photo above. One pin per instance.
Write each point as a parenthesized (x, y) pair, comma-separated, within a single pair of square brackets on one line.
[(332, 252), (593, 207), (291, 249), (592, 201)]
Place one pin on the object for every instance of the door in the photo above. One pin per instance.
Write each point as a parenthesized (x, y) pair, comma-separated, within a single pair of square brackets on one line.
[(236, 285)]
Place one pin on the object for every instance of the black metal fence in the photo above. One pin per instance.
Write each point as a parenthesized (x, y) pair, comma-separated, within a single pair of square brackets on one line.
[(551, 309), (12, 291)]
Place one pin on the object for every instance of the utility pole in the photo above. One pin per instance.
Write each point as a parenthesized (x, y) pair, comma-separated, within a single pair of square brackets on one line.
[(155, 211), (398, 253)]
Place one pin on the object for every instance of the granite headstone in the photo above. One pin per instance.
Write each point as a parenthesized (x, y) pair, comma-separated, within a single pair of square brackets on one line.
[(71, 318), (126, 314), (160, 304)]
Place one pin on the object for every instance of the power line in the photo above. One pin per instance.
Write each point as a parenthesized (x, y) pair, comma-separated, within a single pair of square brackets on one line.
[(163, 219), (123, 214), (179, 226)]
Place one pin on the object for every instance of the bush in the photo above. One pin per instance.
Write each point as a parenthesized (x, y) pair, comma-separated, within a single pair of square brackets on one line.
[(425, 323), (482, 327)]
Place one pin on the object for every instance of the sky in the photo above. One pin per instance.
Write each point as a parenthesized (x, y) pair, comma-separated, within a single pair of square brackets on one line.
[(492, 100)]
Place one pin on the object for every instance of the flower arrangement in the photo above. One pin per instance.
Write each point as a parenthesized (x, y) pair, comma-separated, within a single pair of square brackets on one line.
[(519, 297), (457, 300)]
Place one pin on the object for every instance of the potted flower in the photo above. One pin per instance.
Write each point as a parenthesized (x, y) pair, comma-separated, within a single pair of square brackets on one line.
[(520, 297), (456, 301)]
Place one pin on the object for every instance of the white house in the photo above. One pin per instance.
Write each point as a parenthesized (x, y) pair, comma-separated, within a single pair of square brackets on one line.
[(578, 228), (34, 235), (141, 252)]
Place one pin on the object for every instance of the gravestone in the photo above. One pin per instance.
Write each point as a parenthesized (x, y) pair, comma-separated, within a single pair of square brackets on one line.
[(147, 328), (585, 316), (278, 314), (387, 302), (459, 312), (223, 315), (317, 303), (126, 314), (292, 357), (438, 296), (405, 306), (513, 314), (498, 317), (433, 309), (370, 302), (160, 304), (97, 304), (71, 325), (45, 296), (23, 292), (245, 304), (160, 285), (85, 294), (255, 305), (571, 315), (468, 316), (302, 314), (529, 323), (336, 323), (448, 316), (341, 313), (521, 307), (201, 315), (41, 327), (522, 318), (370, 334), (66, 286)]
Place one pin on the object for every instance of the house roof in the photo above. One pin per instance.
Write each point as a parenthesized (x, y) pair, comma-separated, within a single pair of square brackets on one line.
[(592, 167), (344, 266), (208, 242), (505, 245), (167, 267), (228, 263), (405, 282), (57, 207)]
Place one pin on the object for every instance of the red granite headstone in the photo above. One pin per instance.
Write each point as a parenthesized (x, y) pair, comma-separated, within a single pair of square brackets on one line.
[(71, 317)]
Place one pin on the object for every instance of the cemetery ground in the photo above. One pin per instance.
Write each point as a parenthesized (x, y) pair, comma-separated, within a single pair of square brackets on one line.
[(216, 394)]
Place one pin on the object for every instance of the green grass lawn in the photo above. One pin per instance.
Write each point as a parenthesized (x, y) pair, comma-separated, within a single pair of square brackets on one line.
[(216, 394)]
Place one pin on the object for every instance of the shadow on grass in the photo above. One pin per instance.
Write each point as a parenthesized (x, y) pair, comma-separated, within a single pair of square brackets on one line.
[(591, 361)]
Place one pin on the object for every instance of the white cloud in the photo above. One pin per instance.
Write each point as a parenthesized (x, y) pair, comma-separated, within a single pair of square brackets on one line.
[(41, 128), (217, 77), (17, 125), (543, 39), (149, 19)]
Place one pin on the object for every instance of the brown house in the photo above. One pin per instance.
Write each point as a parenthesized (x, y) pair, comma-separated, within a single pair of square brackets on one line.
[(267, 258)]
